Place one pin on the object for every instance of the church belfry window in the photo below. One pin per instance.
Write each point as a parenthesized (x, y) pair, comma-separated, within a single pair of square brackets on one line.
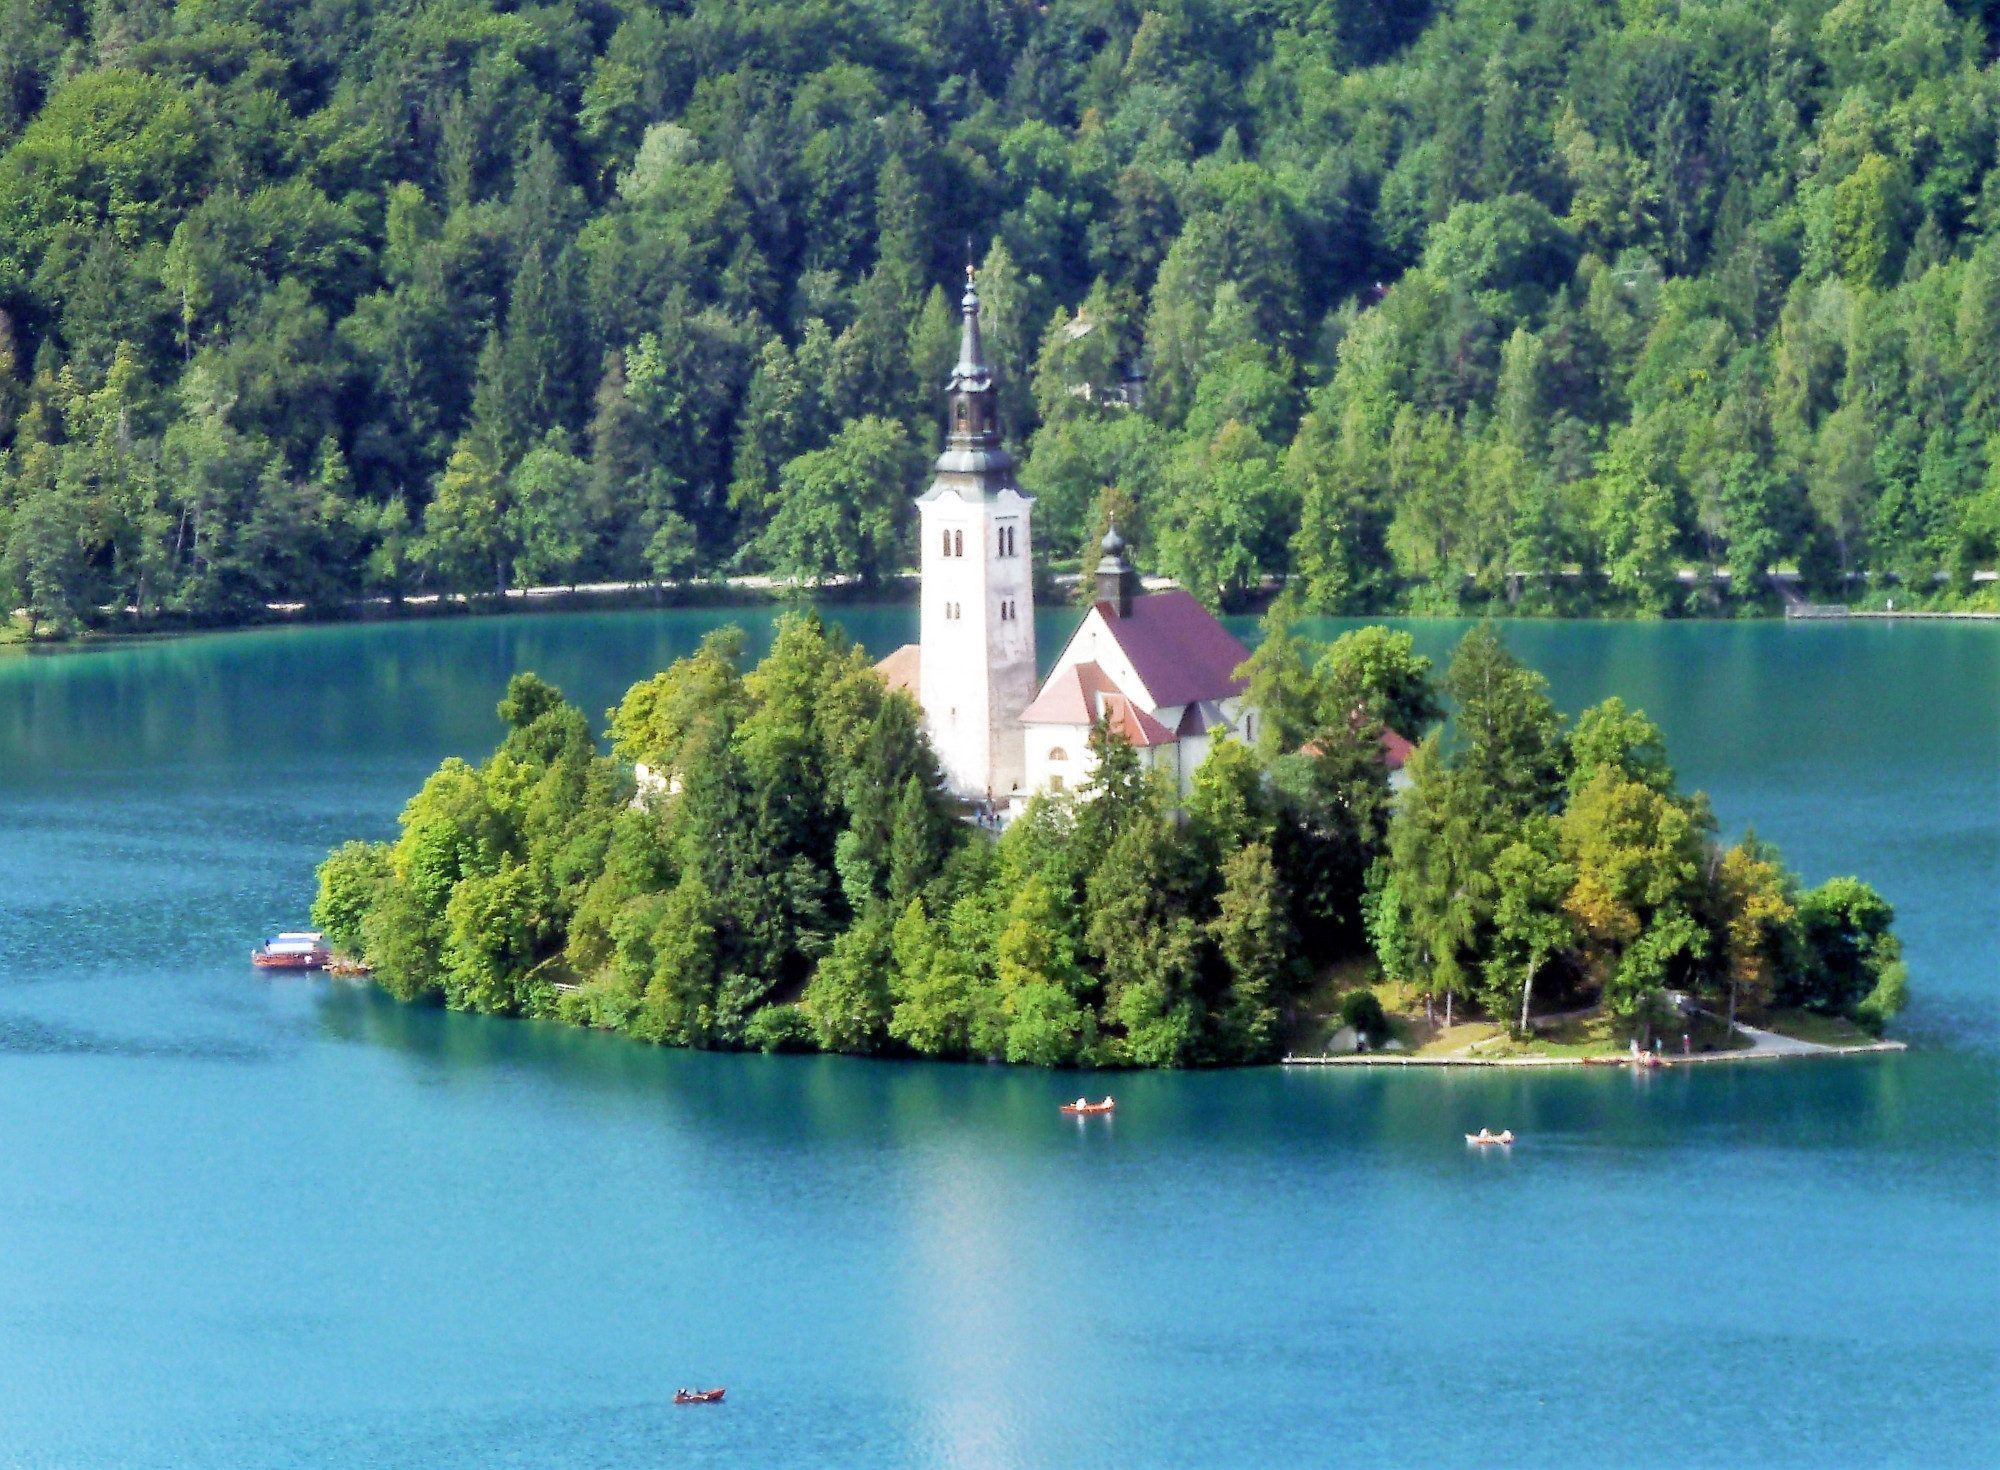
[(958, 543)]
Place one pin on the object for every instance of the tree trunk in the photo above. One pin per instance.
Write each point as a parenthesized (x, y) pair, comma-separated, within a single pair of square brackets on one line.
[(1732, 1007), (1447, 1008), (1527, 989)]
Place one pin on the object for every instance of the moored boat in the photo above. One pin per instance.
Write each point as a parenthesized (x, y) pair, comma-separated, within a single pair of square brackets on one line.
[(699, 1395), (301, 950), (1082, 1105)]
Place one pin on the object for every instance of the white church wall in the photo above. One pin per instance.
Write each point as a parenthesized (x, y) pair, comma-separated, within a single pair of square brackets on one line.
[(977, 632), (1058, 753)]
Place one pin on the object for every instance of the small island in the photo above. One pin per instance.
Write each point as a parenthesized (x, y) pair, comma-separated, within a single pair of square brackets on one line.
[(767, 858)]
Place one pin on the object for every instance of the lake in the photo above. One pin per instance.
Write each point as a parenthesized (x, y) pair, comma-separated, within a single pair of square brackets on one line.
[(250, 1221)]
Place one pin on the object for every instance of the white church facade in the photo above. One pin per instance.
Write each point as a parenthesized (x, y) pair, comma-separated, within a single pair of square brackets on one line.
[(1156, 666)]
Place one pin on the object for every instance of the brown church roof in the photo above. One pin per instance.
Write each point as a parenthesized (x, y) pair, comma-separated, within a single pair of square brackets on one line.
[(1177, 648), (1083, 693), (1140, 728), (903, 670), (1070, 698)]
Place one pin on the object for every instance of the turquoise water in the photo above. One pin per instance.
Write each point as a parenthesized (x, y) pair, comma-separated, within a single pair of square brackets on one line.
[(252, 1222)]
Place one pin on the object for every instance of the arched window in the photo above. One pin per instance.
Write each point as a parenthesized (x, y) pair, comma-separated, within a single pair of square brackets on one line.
[(958, 543), (961, 413), (1002, 541), (1057, 753)]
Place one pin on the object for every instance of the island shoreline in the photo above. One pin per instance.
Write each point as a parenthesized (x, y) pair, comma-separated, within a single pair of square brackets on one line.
[(1380, 1059)]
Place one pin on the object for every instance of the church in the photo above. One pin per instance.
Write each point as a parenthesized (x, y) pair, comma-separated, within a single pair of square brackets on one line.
[(1156, 666)]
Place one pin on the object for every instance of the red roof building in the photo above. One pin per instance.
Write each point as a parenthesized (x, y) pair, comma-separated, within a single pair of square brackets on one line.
[(1157, 666)]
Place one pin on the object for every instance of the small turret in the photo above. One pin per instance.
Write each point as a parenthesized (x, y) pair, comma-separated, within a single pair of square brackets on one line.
[(1117, 580)]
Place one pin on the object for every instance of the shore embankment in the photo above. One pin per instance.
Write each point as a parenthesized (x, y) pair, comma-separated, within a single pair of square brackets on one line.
[(1754, 1053)]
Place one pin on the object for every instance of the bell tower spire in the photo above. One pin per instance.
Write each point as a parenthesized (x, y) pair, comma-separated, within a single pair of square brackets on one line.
[(970, 397)]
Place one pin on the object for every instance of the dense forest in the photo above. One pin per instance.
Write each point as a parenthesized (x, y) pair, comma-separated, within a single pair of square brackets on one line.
[(1490, 303), (767, 859)]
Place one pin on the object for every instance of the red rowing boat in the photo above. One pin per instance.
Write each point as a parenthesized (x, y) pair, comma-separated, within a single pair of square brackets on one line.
[(699, 1395), (1080, 1106)]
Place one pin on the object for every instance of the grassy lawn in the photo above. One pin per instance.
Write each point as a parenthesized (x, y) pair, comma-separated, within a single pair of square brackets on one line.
[(1812, 1026), (1591, 1034), (1585, 1034)]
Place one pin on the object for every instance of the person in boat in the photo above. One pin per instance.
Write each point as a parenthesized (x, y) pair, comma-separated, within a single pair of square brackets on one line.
[(1107, 1100)]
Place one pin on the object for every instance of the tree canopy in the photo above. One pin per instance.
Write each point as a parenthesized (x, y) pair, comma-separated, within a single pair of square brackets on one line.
[(1425, 305)]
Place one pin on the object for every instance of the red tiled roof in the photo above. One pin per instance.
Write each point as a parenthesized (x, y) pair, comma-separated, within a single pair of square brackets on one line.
[(1177, 648), (1395, 749), (1134, 723), (903, 670), (1070, 697), (1082, 694)]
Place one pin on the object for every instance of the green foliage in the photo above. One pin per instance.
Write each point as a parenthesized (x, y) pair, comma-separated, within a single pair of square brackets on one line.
[(1362, 1010), (350, 883), (1853, 962), (768, 859), (1505, 724), (1371, 677), (1252, 929), (848, 1000), (1441, 306), (780, 1028), (1607, 736), (1499, 880), (841, 509)]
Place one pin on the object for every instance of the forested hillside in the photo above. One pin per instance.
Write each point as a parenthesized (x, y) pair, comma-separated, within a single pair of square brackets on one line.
[(1543, 302)]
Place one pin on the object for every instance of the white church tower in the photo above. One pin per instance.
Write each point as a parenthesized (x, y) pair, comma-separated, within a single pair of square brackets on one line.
[(977, 659)]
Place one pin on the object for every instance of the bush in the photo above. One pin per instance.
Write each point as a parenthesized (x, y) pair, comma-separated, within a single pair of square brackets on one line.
[(1890, 994), (1362, 1010), (350, 883), (780, 1028)]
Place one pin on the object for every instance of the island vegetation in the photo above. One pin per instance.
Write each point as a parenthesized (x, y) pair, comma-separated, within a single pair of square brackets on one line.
[(1556, 306), (766, 858)]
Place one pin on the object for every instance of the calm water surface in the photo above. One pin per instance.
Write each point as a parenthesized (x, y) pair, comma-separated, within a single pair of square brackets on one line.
[(251, 1222)]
